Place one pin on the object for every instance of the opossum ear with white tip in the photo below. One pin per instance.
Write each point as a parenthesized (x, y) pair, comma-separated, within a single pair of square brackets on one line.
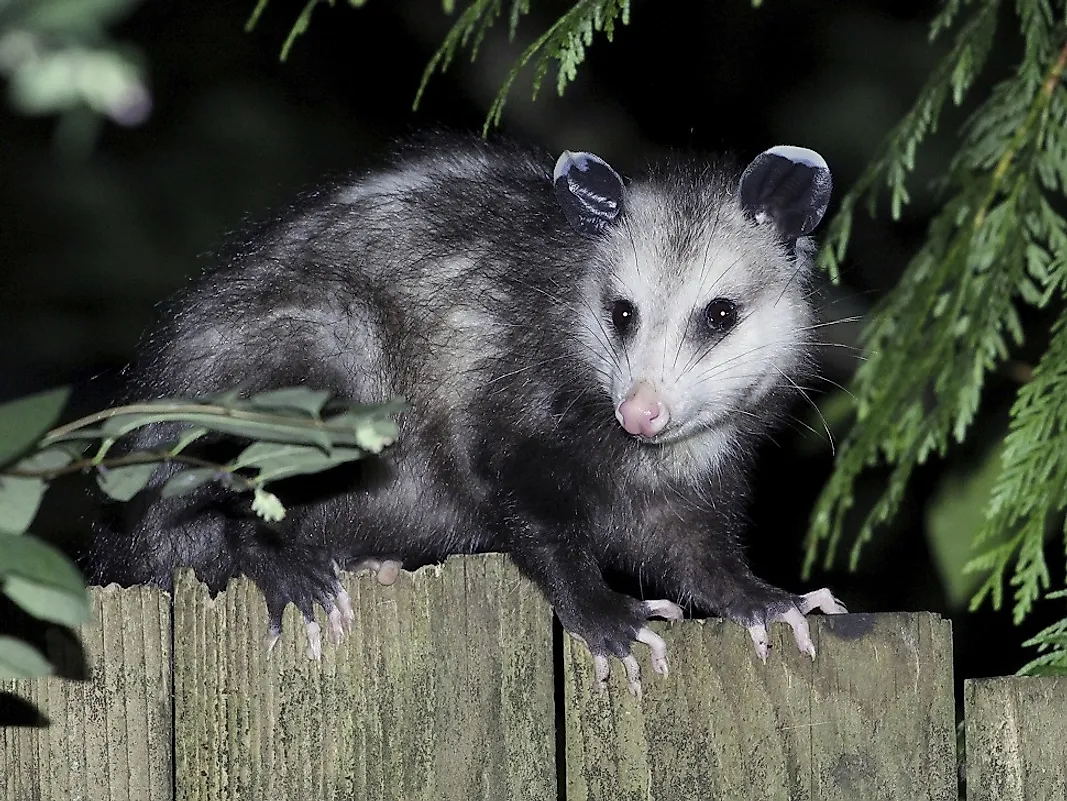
[(588, 190), (789, 186)]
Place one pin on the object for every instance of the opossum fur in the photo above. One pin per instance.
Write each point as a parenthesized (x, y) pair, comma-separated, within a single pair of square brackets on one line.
[(589, 363)]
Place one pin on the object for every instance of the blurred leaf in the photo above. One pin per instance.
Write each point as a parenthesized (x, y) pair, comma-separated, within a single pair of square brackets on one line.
[(187, 481), (954, 515), (122, 483), (43, 581), (24, 421), (68, 15), (20, 660), (301, 399), (21, 496), (266, 505)]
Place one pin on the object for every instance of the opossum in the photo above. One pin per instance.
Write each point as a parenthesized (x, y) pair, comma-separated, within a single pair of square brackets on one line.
[(589, 361)]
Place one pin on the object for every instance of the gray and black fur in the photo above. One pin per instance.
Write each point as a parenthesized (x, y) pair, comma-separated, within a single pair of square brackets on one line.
[(589, 365)]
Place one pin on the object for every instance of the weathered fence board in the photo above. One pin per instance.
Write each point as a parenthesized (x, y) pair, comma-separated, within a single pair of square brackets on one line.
[(442, 690), (871, 718), (108, 737), (1016, 739)]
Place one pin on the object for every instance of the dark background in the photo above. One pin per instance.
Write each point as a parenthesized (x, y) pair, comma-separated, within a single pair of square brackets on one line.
[(91, 240)]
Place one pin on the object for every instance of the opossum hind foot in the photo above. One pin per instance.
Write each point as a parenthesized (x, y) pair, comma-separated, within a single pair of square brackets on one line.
[(795, 615), (312, 581), (385, 571)]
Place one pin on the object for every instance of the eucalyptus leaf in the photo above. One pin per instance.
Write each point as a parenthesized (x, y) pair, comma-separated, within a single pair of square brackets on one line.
[(20, 660), (187, 438), (301, 399), (276, 431), (275, 461), (84, 435), (46, 602), (36, 560), (19, 500), (122, 483), (41, 580), (230, 398), (25, 421), (187, 481), (20, 496)]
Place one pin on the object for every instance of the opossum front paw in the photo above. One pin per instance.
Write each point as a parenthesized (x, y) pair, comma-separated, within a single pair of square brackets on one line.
[(793, 612), (607, 635)]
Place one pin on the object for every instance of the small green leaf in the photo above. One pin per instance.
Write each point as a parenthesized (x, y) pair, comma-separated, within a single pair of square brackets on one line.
[(187, 481), (275, 461), (187, 438), (24, 421), (122, 483), (20, 497), (42, 581), (301, 399), (20, 660), (280, 430), (266, 505)]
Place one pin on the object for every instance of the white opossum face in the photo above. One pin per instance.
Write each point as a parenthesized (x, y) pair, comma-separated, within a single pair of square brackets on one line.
[(697, 309), (694, 340)]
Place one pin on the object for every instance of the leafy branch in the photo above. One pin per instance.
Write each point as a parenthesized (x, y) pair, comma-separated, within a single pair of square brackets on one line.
[(292, 431)]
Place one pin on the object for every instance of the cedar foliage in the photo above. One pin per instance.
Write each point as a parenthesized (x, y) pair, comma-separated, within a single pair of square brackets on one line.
[(998, 245)]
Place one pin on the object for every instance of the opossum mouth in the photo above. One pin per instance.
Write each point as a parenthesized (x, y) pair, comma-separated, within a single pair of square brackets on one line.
[(669, 436)]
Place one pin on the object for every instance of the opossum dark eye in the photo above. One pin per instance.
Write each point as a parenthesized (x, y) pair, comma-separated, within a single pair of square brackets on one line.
[(721, 315), (623, 315)]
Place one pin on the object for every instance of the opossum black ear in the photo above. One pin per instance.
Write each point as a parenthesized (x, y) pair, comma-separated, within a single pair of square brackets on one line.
[(588, 190), (789, 186)]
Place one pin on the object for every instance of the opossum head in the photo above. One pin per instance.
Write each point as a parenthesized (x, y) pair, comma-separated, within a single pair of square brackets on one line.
[(695, 311)]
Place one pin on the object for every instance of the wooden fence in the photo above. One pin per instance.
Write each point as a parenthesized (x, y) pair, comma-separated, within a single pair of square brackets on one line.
[(446, 689)]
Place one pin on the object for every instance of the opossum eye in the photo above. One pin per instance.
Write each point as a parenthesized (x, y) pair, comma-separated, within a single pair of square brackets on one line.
[(721, 315), (623, 315)]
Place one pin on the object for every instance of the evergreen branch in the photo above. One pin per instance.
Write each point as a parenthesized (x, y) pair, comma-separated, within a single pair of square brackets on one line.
[(1032, 484), (1051, 644), (471, 26), (951, 318), (895, 158), (564, 42)]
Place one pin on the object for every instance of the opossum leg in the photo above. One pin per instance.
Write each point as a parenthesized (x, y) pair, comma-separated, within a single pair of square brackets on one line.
[(385, 571)]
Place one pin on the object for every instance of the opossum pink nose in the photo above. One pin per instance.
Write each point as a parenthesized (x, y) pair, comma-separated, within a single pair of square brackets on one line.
[(643, 413)]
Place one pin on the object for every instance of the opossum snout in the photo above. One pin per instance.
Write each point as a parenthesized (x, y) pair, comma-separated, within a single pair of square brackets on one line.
[(643, 413)]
